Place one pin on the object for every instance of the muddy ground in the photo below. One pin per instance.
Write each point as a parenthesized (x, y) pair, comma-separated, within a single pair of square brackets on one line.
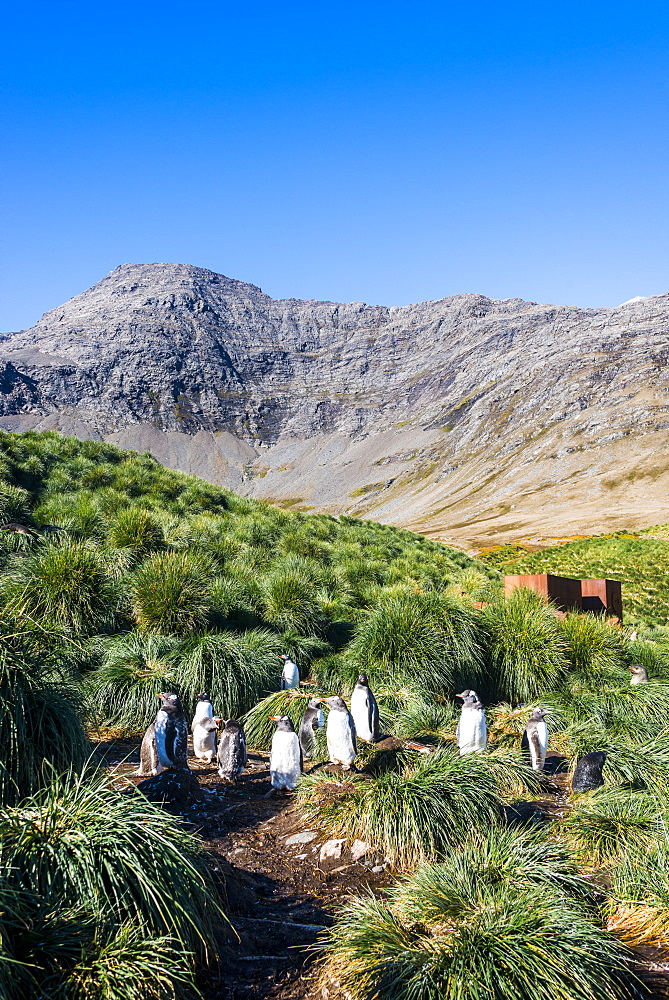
[(280, 897)]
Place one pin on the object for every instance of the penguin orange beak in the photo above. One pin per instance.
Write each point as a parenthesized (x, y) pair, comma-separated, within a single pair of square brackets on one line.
[(549, 713), (160, 696), (274, 718)]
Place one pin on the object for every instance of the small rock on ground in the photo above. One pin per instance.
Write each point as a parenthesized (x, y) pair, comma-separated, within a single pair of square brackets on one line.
[(300, 838), (332, 849)]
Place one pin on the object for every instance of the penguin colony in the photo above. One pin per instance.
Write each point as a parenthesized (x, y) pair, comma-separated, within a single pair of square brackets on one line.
[(165, 743)]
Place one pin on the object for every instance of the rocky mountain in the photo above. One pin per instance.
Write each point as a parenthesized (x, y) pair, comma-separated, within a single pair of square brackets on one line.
[(472, 420)]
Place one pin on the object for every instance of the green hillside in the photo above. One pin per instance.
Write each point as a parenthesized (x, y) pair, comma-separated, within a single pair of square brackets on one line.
[(120, 579), (639, 561)]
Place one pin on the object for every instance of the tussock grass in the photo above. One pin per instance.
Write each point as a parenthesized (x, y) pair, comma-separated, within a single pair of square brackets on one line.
[(170, 593), (413, 812), (419, 638), (63, 586), (639, 908), (606, 824), (135, 529), (122, 691), (258, 726), (117, 856), (40, 724), (526, 648), (502, 918)]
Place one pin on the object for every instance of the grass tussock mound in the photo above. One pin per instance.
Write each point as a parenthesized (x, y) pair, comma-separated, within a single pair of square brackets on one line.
[(415, 808), (498, 917)]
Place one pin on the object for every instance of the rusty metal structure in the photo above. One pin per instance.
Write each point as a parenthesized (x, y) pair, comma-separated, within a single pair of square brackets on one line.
[(591, 596)]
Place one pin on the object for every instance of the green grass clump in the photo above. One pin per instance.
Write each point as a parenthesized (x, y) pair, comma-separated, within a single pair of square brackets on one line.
[(137, 530), (413, 811), (170, 593), (84, 846), (134, 669), (604, 825), (414, 637), (502, 917), (63, 586), (40, 723), (527, 649)]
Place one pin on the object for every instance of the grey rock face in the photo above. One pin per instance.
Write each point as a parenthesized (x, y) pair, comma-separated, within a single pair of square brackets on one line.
[(466, 418)]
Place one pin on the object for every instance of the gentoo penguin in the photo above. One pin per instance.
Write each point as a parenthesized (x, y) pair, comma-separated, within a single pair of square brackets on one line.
[(535, 738), (312, 720), (365, 711), (341, 733), (204, 734), (285, 759), (232, 751), (472, 731), (203, 710), (290, 675), (588, 773), (204, 738), (639, 674), (165, 742)]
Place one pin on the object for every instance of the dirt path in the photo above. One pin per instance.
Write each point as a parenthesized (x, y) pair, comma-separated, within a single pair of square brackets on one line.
[(279, 896)]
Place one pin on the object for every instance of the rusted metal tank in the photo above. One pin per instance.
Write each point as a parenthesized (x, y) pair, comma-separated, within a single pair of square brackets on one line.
[(602, 596), (563, 592), (591, 596)]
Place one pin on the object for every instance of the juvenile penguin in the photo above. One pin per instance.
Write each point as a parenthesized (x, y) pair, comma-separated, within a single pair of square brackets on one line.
[(203, 710), (290, 675), (535, 738), (285, 759), (232, 751), (588, 773), (204, 737), (639, 674), (472, 731), (312, 720), (365, 711), (165, 742), (341, 733)]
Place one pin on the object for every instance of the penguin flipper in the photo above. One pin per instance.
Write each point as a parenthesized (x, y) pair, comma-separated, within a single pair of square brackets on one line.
[(535, 750)]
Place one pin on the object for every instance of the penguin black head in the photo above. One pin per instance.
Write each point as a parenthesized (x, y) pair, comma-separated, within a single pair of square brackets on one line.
[(539, 714), (203, 697), (284, 657), (283, 723), (362, 679), (336, 703), (170, 703), (231, 724), (638, 671)]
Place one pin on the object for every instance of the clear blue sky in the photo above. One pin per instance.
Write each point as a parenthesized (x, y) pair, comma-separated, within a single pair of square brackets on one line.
[(386, 152)]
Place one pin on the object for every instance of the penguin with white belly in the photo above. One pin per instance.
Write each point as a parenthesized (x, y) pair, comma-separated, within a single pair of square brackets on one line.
[(203, 710), (311, 722), (165, 742), (472, 731), (205, 732), (341, 734), (232, 751), (290, 675), (365, 711), (285, 759), (535, 738), (639, 674)]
